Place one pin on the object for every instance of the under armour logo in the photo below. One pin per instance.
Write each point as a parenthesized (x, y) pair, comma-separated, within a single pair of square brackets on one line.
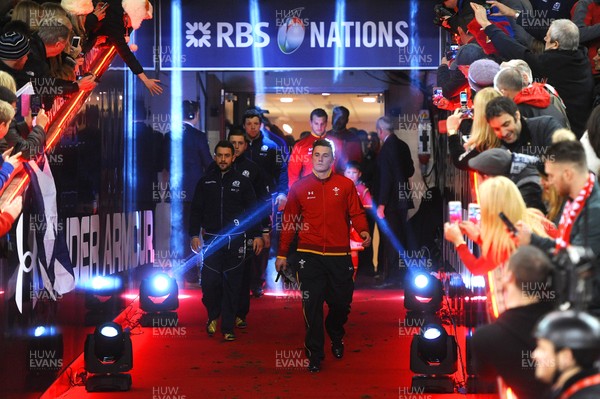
[(302, 262)]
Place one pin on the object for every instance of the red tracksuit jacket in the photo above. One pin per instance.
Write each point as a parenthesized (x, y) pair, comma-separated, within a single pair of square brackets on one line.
[(321, 212)]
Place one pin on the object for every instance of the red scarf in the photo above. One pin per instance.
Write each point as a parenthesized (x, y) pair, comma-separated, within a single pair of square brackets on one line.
[(571, 212), (581, 384)]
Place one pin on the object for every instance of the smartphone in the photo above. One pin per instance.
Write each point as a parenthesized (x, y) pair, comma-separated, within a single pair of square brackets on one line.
[(437, 92), (511, 227), (16, 148), (451, 54), (104, 5), (35, 104), (75, 41), (454, 211), (464, 99), (474, 213)]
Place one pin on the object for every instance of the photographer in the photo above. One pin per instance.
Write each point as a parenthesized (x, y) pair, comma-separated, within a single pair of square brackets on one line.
[(453, 71), (568, 347)]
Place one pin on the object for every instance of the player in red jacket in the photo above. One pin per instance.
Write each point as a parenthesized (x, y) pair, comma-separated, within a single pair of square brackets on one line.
[(320, 208), (300, 162)]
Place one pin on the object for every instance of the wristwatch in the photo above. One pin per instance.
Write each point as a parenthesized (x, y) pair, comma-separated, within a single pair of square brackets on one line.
[(452, 132)]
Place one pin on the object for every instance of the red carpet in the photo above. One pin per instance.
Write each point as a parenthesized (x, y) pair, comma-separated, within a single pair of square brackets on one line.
[(267, 360)]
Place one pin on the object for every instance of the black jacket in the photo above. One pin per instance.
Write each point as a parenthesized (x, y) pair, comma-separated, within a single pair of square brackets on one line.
[(585, 232), (273, 161), (394, 168), (529, 184), (222, 203), (504, 349), (252, 171), (452, 81), (459, 156), (31, 145), (113, 26), (535, 137), (38, 70), (590, 392), (568, 71), (21, 77)]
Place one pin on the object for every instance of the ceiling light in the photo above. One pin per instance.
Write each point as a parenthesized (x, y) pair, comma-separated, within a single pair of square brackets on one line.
[(287, 128), (369, 99), (325, 94), (286, 99)]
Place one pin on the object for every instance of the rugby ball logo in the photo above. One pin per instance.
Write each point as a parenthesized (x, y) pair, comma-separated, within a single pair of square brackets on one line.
[(290, 35)]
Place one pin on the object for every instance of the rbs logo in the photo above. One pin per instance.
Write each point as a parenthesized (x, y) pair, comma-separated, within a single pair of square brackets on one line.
[(242, 34), (291, 35)]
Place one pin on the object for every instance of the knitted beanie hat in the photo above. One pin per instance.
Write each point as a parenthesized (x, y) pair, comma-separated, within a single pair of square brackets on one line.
[(13, 46)]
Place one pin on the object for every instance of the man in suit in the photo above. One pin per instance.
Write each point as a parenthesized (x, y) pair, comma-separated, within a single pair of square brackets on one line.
[(393, 199), (196, 159)]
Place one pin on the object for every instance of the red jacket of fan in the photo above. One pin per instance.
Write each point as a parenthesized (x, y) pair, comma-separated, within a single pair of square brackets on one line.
[(320, 211)]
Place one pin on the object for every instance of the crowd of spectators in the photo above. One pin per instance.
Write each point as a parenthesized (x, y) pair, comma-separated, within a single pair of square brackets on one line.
[(43, 44), (531, 136)]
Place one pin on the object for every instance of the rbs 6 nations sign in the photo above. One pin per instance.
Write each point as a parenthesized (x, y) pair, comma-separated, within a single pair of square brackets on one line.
[(311, 34)]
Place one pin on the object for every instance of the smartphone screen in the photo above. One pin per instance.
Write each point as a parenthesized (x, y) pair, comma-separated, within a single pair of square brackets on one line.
[(35, 104), (75, 41), (463, 99), (437, 92), (454, 211), (474, 213)]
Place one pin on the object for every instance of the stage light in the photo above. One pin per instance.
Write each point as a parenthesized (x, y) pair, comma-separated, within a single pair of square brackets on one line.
[(108, 355), (103, 299), (159, 297), (421, 281), (433, 356), (423, 293), (287, 128)]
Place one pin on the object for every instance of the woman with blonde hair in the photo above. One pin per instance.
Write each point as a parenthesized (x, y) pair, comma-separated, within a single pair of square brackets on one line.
[(482, 136), (496, 194), (28, 12), (6, 80)]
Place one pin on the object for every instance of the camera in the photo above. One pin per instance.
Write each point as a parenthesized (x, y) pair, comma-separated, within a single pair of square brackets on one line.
[(574, 278), (441, 14)]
